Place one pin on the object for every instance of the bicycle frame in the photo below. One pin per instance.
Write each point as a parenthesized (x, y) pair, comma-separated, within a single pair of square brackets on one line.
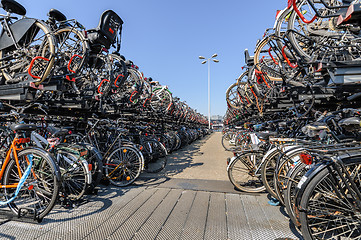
[(13, 151)]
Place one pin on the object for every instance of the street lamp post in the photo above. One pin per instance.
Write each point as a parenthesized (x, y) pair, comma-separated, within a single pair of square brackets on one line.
[(209, 84)]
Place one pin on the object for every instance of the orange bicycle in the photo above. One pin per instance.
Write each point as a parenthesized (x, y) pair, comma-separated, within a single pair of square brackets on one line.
[(29, 177)]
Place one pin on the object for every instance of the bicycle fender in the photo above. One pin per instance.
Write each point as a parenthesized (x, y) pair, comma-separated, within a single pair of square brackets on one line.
[(309, 175), (88, 175), (19, 29), (274, 149)]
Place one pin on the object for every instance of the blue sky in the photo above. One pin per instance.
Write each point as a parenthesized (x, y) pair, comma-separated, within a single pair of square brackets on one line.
[(165, 37)]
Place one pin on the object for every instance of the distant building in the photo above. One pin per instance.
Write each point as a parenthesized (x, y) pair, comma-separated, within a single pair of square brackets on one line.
[(217, 117), (217, 122)]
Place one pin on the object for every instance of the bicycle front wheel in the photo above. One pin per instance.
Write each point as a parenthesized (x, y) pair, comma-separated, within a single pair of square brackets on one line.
[(123, 166), (40, 191), (228, 141), (75, 174), (242, 172), (232, 96)]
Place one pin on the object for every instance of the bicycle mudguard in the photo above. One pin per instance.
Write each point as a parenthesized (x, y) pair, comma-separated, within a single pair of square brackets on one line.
[(309, 175), (19, 29), (284, 150)]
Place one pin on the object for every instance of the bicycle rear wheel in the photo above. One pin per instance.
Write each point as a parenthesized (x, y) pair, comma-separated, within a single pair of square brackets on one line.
[(72, 50), (327, 213), (40, 190), (156, 156)]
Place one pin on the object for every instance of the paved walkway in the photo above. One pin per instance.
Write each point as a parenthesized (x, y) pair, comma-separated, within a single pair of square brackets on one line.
[(191, 199)]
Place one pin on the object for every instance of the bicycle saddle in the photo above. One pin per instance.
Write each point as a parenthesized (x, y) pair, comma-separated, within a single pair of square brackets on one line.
[(23, 127), (57, 15), (266, 135), (57, 132), (350, 124), (12, 6), (128, 63)]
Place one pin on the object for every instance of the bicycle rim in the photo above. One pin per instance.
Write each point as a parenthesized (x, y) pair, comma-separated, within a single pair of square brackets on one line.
[(123, 166), (242, 175), (327, 215), (40, 191)]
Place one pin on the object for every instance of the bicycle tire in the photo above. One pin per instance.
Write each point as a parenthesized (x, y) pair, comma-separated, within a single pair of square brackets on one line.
[(155, 156), (71, 45), (320, 202), (239, 178), (285, 163), (267, 172), (267, 63), (75, 174), (232, 97), (44, 47), (41, 189), (226, 138), (94, 158), (161, 99), (303, 46), (123, 166), (289, 197)]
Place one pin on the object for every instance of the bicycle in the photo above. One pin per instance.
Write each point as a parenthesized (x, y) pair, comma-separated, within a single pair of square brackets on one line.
[(28, 47), (30, 176)]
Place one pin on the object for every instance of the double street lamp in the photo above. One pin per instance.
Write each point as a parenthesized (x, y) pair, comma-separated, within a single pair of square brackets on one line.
[(209, 83)]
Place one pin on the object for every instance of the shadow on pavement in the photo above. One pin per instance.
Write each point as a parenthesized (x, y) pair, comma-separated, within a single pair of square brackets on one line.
[(179, 160)]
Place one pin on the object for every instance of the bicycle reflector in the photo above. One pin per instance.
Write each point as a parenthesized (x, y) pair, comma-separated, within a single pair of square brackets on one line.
[(306, 158)]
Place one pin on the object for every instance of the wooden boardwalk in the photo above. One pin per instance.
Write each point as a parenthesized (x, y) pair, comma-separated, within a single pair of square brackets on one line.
[(165, 206)]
